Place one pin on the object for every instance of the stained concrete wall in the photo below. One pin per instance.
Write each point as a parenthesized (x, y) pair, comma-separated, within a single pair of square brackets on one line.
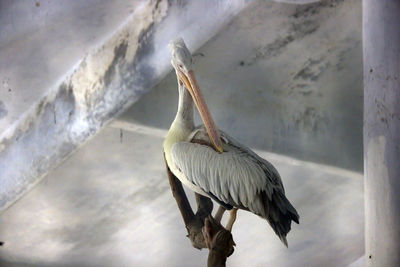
[(278, 77), (281, 78), (381, 40), (45, 115), (298, 67)]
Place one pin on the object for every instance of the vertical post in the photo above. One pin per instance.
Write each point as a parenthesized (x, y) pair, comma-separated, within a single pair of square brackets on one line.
[(381, 42)]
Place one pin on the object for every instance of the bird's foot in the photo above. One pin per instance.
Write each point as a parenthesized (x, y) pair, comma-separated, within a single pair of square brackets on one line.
[(216, 237)]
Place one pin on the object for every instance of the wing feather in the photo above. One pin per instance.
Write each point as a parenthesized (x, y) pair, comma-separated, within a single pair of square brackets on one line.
[(237, 177), (229, 176)]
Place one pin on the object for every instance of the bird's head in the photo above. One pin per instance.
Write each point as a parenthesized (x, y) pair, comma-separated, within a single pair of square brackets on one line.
[(182, 62), (181, 57)]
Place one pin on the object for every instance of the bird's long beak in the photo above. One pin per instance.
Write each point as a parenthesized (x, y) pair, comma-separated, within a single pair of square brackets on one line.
[(190, 82)]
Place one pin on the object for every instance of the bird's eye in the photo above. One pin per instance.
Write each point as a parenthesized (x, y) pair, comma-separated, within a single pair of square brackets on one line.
[(180, 66)]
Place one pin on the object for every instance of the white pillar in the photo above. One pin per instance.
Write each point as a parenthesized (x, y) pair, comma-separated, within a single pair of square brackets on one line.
[(381, 41)]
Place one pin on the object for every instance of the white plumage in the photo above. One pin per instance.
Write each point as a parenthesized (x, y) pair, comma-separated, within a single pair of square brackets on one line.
[(234, 176)]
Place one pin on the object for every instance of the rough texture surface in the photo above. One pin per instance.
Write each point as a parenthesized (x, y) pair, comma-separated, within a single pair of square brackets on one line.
[(41, 41), (381, 43), (281, 78), (127, 62), (110, 205), (99, 87), (278, 77)]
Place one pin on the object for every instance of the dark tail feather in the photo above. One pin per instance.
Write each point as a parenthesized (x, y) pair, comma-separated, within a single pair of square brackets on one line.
[(284, 241), (281, 214)]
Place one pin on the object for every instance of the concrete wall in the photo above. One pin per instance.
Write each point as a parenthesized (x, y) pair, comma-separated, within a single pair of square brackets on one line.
[(281, 78), (278, 77), (66, 77), (382, 131)]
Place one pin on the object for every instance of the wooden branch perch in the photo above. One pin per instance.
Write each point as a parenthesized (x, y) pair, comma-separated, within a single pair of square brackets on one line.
[(203, 230)]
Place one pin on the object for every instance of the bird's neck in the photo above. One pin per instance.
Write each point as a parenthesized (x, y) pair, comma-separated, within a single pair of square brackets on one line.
[(184, 115), (183, 125)]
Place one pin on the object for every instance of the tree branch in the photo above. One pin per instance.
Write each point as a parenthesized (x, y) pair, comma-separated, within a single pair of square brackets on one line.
[(180, 198), (203, 230)]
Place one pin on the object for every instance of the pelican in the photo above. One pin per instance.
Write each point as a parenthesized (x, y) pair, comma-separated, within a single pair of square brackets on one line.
[(211, 163)]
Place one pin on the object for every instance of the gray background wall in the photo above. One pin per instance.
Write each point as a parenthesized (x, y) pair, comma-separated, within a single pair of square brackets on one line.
[(281, 78)]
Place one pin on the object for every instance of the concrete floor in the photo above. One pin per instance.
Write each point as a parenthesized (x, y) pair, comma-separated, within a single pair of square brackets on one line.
[(110, 205)]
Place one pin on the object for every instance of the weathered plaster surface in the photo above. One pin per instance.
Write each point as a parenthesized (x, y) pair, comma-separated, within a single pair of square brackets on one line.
[(282, 78), (101, 85), (41, 41), (378, 184), (381, 43), (72, 112)]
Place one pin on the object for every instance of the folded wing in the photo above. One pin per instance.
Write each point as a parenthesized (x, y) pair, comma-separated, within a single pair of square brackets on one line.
[(237, 177)]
